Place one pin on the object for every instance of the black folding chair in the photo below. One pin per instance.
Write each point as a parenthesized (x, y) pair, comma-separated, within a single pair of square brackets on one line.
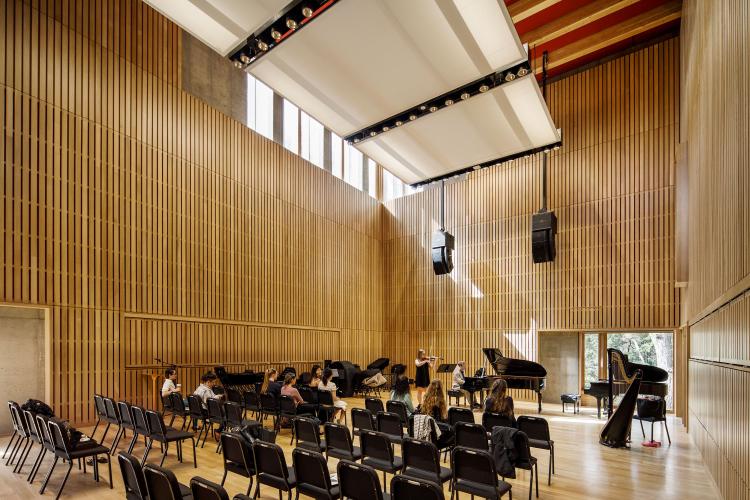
[(474, 473), (313, 478), (269, 407), (203, 489), (215, 417), (15, 433), (307, 434), (339, 443), (375, 405), (399, 408), (179, 410), (288, 411), (377, 452), (525, 461), (491, 420), (271, 468), (198, 414), (422, 461), (158, 431), (390, 424), (471, 436), (101, 413), (27, 438), (363, 419), (132, 477), (358, 481), (140, 424), (408, 488), (162, 484), (42, 430), (537, 430), (238, 458), (126, 421), (252, 403), (456, 415), (113, 416)]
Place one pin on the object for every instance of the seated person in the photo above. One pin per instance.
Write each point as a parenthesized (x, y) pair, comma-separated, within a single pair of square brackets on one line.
[(499, 402), (434, 406), (402, 392), (288, 389), (327, 385), (170, 375), (270, 385), (205, 390), (459, 379), (315, 373)]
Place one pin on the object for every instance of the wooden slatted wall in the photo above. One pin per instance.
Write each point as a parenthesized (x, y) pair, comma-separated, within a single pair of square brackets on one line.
[(123, 194), (612, 187), (716, 131)]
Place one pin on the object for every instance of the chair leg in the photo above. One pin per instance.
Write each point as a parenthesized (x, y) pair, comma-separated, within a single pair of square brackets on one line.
[(642, 431), (37, 463), (549, 469), (116, 441), (531, 481), (552, 455), (171, 421), (65, 480), (106, 430), (148, 449), (195, 461), (22, 457), (666, 428), (250, 486), (132, 442), (49, 473), (12, 436), (16, 447), (536, 479), (164, 454), (96, 426), (109, 466), (224, 477)]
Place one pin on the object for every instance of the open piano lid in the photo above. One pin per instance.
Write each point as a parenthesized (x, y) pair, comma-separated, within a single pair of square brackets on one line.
[(513, 367)]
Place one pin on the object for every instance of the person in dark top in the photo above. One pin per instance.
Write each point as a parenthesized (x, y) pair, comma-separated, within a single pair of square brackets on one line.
[(270, 385), (498, 401), (422, 379)]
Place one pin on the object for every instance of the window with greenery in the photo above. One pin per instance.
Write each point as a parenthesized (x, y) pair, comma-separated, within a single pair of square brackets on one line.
[(591, 358), (655, 349)]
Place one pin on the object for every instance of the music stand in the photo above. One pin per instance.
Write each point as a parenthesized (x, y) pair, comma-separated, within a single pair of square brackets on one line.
[(446, 368)]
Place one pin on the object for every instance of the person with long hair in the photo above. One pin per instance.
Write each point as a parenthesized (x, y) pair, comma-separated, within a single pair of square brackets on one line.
[(289, 390), (401, 392), (434, 405), (422, 379), (315, 373), (327, 385), (270, 385), (498, 400)]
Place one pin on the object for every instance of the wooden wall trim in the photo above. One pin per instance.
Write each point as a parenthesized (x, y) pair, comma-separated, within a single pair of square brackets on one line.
[(191, 319)]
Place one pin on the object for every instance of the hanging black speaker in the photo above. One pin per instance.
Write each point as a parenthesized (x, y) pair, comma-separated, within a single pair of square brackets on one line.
[(442, 252), (543, 230)]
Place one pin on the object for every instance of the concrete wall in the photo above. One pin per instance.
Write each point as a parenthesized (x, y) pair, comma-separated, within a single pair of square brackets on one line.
[(558, 353)]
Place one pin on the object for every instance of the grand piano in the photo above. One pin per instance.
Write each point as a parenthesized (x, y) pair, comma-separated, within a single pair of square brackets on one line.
[(518, 373)]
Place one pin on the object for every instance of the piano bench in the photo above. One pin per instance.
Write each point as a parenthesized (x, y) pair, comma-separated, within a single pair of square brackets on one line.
[(574, 399), (458, 394)]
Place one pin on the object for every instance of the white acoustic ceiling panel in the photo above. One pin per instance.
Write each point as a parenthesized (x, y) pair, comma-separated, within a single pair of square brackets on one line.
[(220, 24), (504, 121), (361, 61)]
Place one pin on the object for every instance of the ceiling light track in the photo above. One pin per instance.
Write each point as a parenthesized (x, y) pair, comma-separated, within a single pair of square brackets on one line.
[(480, 86), (295, 16), (491, 163)]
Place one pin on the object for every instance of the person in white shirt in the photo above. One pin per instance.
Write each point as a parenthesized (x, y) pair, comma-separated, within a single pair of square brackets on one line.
[(459, 378), (327, 385), (170, 375), (205, 389)]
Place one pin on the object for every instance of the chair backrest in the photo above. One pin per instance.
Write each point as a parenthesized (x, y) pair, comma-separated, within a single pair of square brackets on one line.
[(338, 437), (195, 405), (161, 483), (406, 488), (399, 408), (234, 412), (491, 420), (30, 425), (523, 452), (155, 422), (311, 469), (390, 423), (111, 408), (178, 404), (287, 405), (421, 455), (42, 425), (166, 402), (268, 402), (472, 436), (358, 481), (325, 398), (376, 445), (215, 410), (374, 405), (473, 465), (59, 437), (17, 413), (101, 409), (237, 451), (362, 419), (308, 394), (234, 396), (203, 489), (140, 422), (456, 415), (132, 476), (306, 430), (251, 400), (16, 424), (126, 414), (534, 427), (269, 459)]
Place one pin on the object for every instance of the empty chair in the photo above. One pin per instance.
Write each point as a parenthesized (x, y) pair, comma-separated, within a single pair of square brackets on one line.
[(422, 461), (474, 473), (234, 415), (158, 431), (15, 433), (113, 415), (126, 421), (203, 489), (307, 434), (339, 443), (19, 428), (166, 403), (26, 443), (42, 430), (215, 416), (471, 436), (252, 403), (358, 481), (162, 484), (269, 407), (132, 477), (101, 413), (179, 410), (272, 469), (525, 461), (34, 438), (64, 450), (390, 424), (490, 420), (198, 415), (238, 458), (407, 488), (456, 415), (377, 452), (374, 405), (363, 419), (140, 423), (313, 478), (399, 408), (234, 396), (537, 431), (649, 410)]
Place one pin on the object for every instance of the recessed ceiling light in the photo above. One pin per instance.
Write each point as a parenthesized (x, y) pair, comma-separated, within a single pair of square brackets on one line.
[(448, 102), (291, 23), (484, 88), (433, 109), (509, 77), (386, 128), (238, 64), (307, 11), (275, 34), (245, 59), (262, 45), (465, 96), (412, 117), (522, 71), (373, 133), (399, 123)]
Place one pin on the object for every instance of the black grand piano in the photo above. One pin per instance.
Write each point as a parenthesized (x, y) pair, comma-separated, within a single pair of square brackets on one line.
[(518, 373)]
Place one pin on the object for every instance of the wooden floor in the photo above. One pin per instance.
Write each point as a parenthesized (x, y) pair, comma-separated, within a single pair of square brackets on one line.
[(584, 469)]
